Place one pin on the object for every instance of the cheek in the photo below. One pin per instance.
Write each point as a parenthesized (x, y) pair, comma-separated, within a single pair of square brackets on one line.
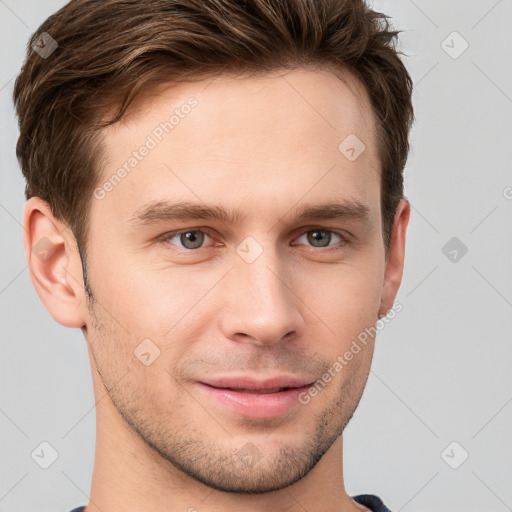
[(171, 307), (155, 300), (346, 297), (144, 300)]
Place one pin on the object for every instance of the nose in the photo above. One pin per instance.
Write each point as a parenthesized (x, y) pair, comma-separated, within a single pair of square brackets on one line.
[(262, 302)]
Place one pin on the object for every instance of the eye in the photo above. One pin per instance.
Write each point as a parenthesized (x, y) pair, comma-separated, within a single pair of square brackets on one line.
[(193, 239), (187, 239), (321, 237)]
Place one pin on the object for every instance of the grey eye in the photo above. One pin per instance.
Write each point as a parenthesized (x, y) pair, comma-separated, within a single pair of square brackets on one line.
[(192, 239), (320, 237)]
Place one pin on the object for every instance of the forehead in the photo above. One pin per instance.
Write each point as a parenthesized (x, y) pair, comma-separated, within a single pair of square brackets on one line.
[(245, 140), (319, 97)]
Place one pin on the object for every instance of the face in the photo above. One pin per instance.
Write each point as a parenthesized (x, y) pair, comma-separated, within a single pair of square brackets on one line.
[(240, 252)]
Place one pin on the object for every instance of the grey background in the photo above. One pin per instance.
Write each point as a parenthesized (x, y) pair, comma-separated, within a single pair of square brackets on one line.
[(442, 367)]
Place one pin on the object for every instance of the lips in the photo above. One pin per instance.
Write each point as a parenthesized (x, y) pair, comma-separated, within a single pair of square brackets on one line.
[(255, 397), (255, 391), (247, 384)]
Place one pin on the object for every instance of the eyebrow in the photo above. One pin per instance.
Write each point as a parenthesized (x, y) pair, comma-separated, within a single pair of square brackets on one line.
[(162, 211)]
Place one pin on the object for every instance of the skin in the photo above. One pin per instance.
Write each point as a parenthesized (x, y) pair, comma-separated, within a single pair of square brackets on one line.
[(264, 146)]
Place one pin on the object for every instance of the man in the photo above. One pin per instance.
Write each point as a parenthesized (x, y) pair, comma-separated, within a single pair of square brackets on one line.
[(215, 199)]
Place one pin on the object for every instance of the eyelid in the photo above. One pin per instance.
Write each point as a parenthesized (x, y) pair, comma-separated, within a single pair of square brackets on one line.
[(345, 237), (171, 234)]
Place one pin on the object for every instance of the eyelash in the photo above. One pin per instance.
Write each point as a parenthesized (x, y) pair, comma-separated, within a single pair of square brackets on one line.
[(168, 236)]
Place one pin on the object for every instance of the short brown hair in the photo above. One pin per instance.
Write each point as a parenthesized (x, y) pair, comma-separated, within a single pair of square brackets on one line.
[(109, 50)]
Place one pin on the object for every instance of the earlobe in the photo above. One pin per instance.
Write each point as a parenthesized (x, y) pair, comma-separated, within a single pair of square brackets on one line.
[(395, 259), (52, 257)]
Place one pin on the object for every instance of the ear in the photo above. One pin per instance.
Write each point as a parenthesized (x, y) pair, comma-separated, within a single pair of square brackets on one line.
[(54, 264), (395, 258)]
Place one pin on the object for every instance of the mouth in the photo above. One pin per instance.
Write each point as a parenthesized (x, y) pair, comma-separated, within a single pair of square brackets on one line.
[(246, 383), (255, 391), (255, 397)]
